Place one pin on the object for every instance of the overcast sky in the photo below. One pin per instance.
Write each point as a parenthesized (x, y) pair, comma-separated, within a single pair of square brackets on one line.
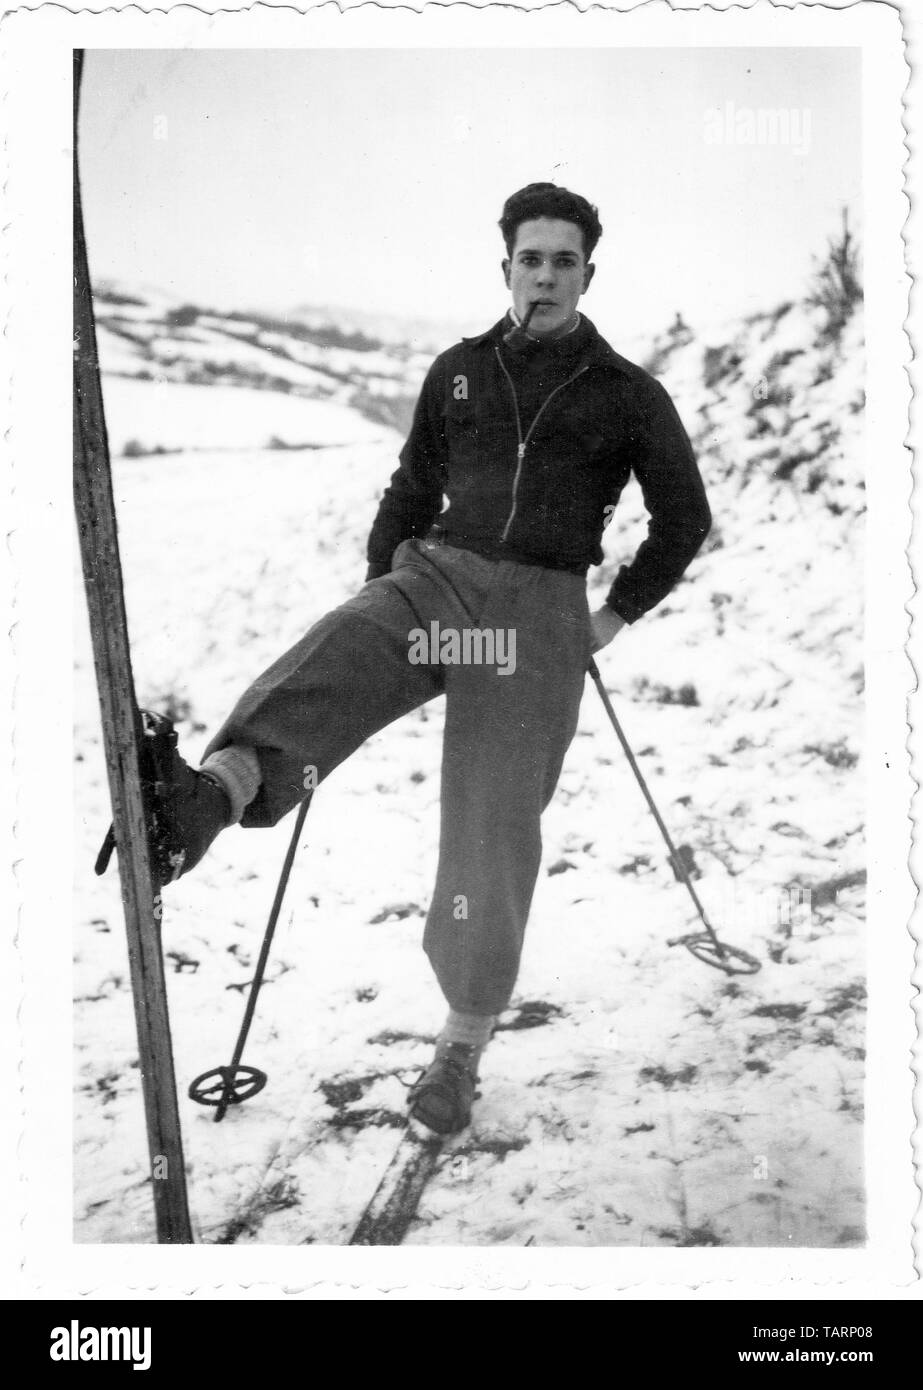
[(374, 179)]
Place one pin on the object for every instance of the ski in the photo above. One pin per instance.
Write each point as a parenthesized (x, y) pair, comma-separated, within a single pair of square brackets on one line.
[(393, 1206), (131, 743)]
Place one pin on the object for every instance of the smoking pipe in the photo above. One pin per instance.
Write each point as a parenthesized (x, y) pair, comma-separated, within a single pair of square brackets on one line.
[(516, 337)]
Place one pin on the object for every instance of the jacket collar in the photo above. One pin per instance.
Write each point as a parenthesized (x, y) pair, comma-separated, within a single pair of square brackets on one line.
[(597, 351)]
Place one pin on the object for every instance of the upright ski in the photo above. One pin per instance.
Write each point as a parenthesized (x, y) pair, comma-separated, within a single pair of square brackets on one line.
[(128, 744)]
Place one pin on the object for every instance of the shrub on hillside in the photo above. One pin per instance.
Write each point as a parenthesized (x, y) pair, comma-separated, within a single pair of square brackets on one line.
[(183, 317), (837, 288)]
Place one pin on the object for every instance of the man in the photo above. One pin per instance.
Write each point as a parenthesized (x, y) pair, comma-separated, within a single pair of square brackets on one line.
[(530, 431)]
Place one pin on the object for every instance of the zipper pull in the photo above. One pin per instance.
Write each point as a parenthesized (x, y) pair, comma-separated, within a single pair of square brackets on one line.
[(520, 451)]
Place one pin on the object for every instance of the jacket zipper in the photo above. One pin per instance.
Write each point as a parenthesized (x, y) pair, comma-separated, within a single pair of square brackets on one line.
[(523, 443)]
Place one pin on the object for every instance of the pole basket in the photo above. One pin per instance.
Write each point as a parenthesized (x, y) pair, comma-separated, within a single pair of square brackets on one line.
[(706, 947)]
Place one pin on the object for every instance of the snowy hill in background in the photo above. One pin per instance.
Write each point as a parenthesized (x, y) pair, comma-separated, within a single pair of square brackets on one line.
[(632, 1096), (148, 338), (422, 334)]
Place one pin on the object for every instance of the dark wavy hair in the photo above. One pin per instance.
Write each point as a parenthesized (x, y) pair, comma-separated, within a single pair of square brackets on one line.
[(548, 200)]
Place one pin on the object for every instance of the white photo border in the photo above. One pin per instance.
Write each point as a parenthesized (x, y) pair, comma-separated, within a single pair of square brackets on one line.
[(36, 959)]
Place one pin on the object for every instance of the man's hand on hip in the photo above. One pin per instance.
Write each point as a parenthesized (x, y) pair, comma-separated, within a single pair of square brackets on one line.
[(606, 623)]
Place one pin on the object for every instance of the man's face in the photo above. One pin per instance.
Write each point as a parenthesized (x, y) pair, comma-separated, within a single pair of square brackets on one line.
[(547, 265)]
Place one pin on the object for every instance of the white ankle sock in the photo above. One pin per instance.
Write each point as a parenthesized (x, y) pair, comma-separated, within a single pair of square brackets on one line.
[(473, 1030), (237, 768)]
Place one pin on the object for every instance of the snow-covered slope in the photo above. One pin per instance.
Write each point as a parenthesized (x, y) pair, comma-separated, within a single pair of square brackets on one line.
[(633, 1096), (147, 338)]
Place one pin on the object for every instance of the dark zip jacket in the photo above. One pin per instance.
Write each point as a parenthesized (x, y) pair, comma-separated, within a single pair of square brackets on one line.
[(533, 456)]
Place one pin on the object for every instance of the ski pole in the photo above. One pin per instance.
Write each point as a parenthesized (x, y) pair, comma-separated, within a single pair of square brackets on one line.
[(703, 947), (678, 865), (252, 1079)]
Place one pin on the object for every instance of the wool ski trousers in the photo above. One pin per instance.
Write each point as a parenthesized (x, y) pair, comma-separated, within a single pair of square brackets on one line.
[(507, 729)]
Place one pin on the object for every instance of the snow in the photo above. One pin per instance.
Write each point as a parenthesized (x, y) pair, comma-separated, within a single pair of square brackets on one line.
[(117, 352), (632, 1096), (216, 349), (170, 415), (342, 360), (151, 339)]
